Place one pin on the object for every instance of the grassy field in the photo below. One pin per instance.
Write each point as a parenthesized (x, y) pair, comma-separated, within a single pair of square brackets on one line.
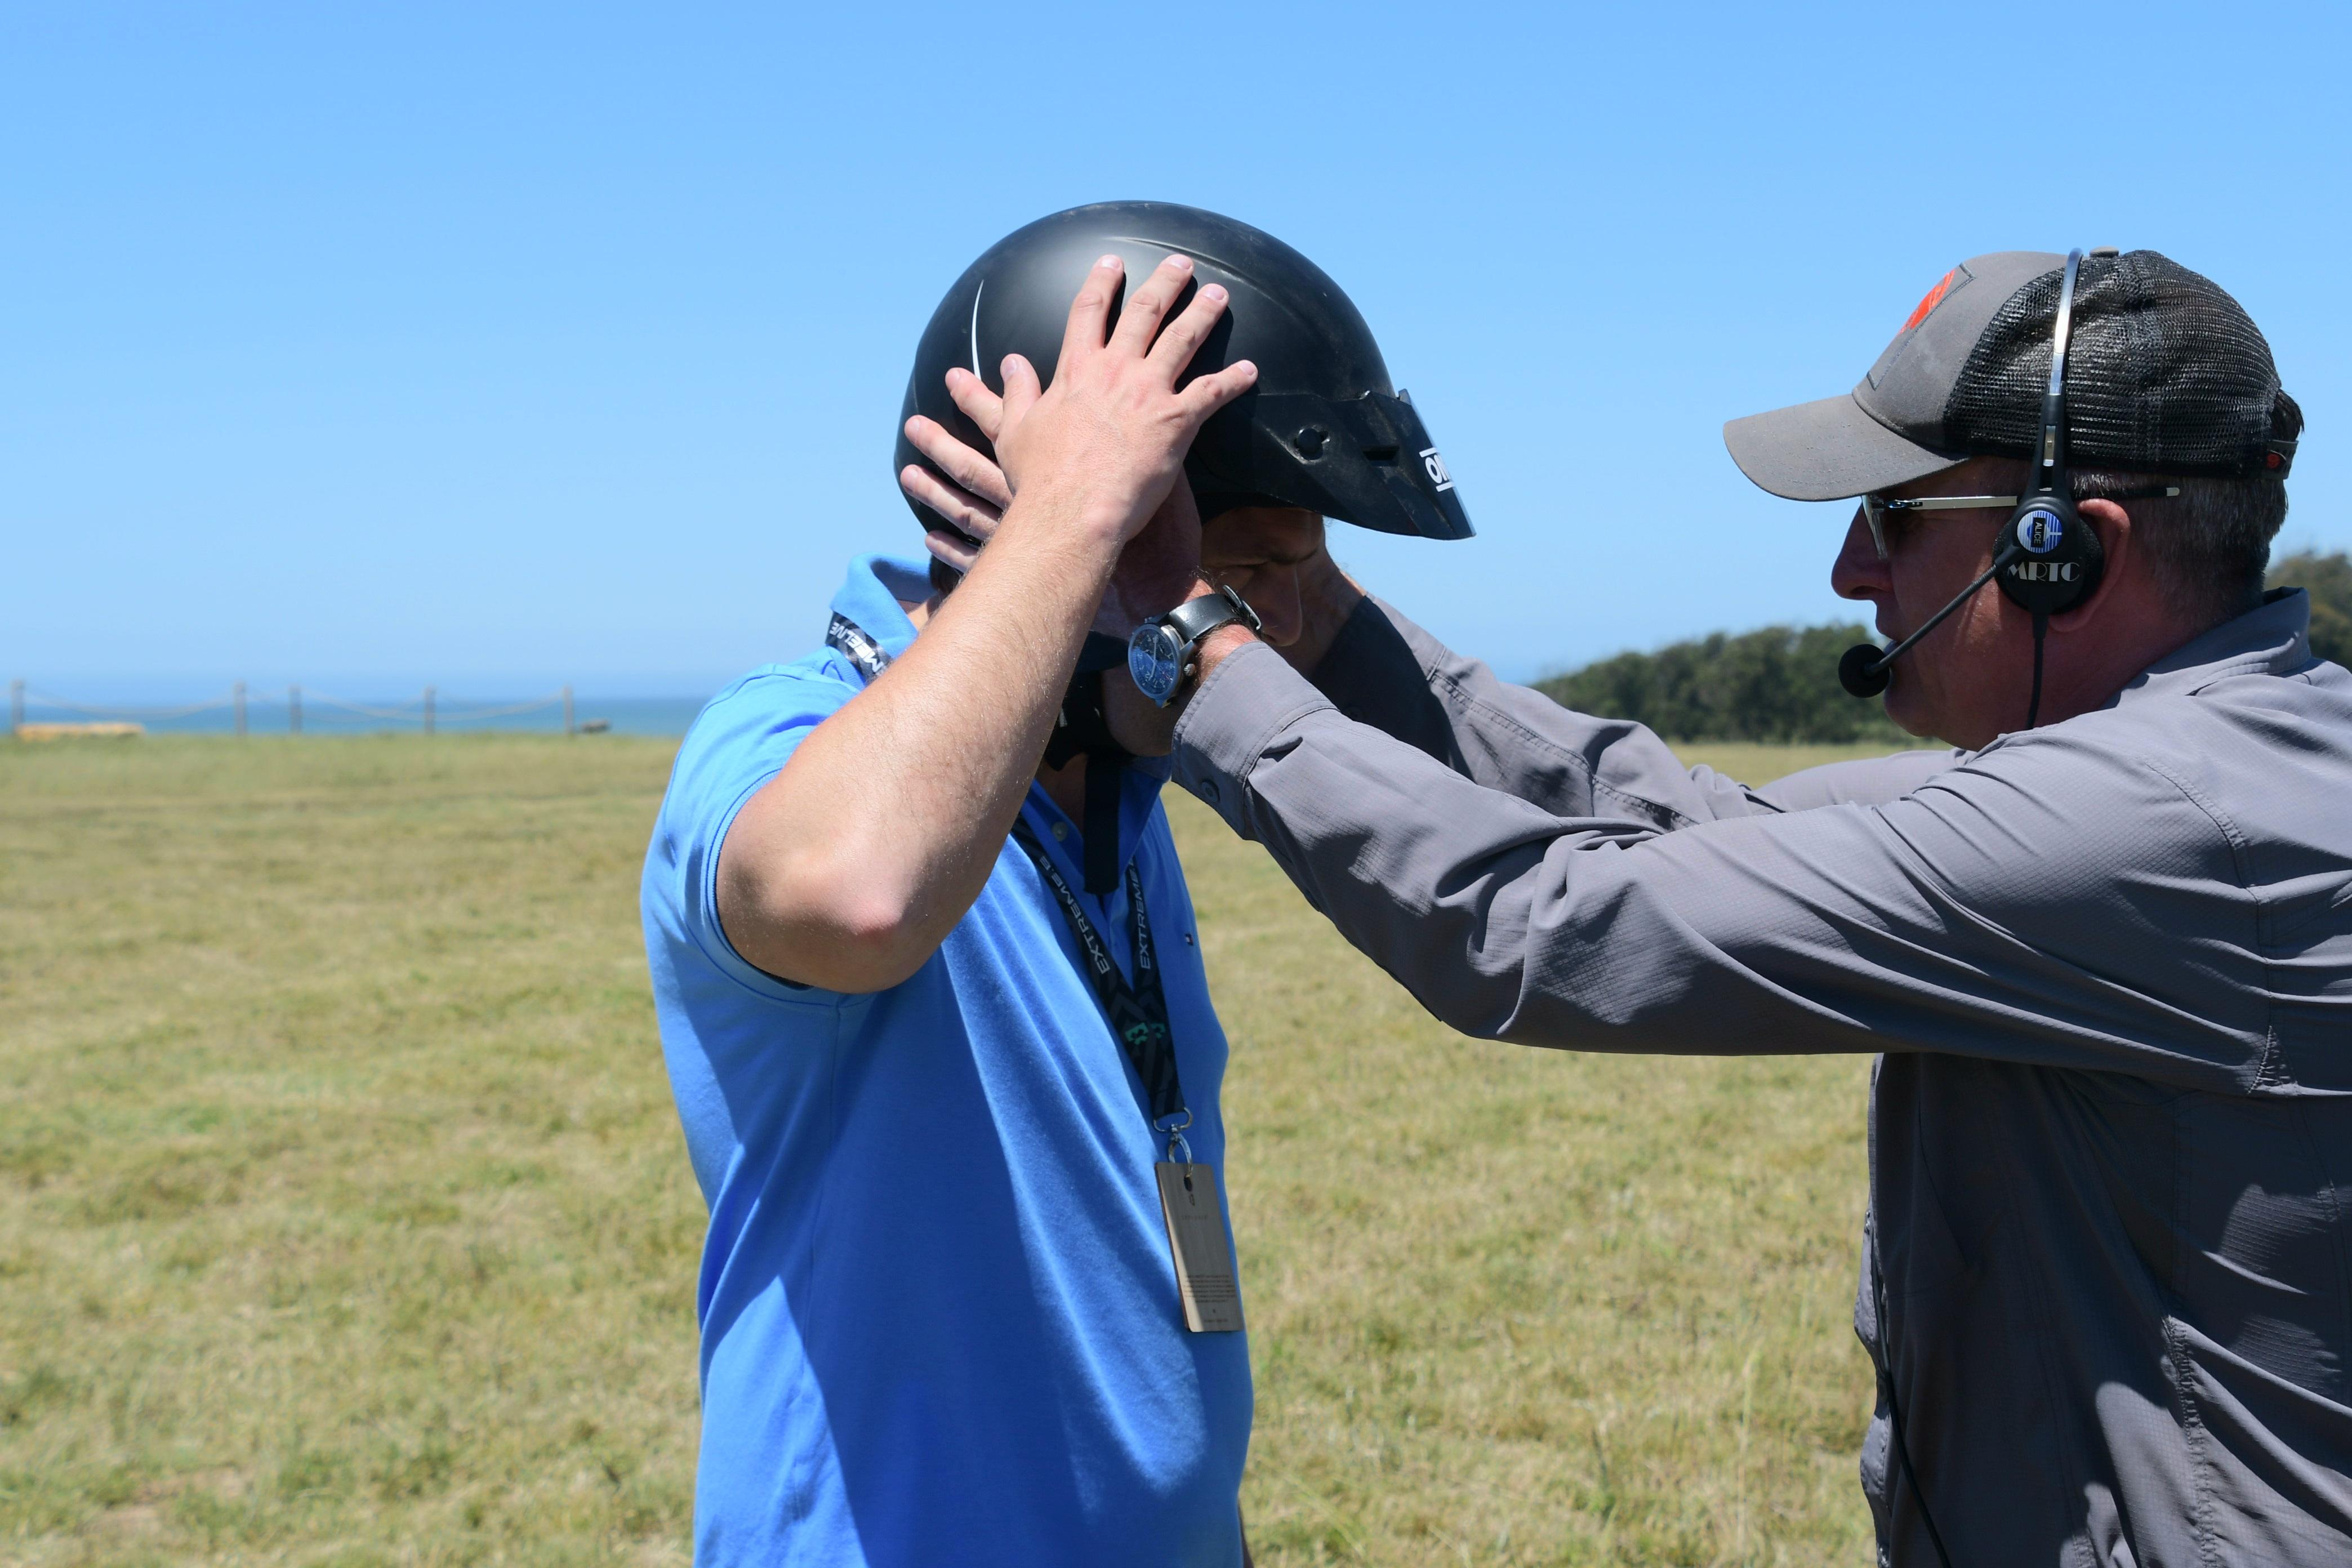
[(344, 1217)]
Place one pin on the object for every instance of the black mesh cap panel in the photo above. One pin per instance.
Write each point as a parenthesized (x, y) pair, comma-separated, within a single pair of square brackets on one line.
[(2166, 374)]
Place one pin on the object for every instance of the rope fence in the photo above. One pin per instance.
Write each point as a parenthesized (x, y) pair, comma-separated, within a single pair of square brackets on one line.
[(427, 712)]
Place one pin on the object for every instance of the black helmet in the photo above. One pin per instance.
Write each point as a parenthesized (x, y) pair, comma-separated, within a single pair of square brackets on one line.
[(1324, 428)]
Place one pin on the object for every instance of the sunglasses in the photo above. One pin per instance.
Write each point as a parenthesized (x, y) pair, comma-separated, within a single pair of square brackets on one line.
[(1877, 509)]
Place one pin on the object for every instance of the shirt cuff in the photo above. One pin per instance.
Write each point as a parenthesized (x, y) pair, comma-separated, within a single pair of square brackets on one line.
[(1249, 698)]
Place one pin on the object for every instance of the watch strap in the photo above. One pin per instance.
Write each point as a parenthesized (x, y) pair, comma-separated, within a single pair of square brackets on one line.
[(1196, 618)]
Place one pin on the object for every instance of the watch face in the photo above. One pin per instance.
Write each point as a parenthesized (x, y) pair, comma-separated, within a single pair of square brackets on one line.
[(1155, 658)]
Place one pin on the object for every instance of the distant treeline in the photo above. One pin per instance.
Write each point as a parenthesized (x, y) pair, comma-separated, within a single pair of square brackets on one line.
[(2328, 580), (1776, 684), (1779, 684)]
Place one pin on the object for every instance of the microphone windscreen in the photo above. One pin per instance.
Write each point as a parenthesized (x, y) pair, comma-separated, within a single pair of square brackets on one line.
[(1860, 673)]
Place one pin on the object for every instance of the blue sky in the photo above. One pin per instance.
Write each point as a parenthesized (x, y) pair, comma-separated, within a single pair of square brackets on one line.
[(499, 346)]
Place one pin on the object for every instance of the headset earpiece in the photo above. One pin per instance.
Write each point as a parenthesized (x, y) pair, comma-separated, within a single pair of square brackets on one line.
[(2061, 558)]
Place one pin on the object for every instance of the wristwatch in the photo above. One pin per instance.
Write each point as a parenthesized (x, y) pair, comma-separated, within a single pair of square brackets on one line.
[(1159, 656)]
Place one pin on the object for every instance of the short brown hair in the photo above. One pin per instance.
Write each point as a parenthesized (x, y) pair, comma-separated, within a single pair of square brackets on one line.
[(2211, 544)]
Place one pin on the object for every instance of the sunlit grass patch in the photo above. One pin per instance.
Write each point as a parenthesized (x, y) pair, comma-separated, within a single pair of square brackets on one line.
[(344, 1216)]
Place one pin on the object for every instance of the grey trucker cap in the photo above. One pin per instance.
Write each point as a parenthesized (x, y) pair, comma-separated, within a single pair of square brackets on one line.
[(2165, 374)]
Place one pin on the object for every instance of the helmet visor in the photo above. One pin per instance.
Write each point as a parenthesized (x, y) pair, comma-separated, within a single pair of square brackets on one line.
[(1366, 460)]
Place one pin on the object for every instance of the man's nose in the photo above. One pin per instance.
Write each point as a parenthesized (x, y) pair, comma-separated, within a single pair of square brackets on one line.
[(1858, 573), (1274, 597)]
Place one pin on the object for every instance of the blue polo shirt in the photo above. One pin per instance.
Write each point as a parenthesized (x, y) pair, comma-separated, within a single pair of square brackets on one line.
[(939, 1322)]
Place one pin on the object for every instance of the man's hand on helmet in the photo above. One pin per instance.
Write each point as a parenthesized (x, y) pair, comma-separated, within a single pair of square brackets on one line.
[(1157, 568), (1100, 447)]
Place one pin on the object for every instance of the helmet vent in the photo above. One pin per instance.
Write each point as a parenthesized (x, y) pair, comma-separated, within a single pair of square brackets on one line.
[(1381, 454)]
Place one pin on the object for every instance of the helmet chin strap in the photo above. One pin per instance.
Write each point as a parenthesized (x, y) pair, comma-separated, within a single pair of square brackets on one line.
[(1083, 730)]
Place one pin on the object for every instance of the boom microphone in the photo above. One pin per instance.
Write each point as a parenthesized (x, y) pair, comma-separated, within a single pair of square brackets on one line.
[(1864, 671)]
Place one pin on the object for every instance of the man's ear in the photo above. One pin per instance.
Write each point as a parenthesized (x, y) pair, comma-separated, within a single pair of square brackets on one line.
[(2113, 524)]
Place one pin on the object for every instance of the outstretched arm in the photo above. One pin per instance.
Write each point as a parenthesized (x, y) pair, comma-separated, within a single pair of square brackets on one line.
[(1385, 671), (1379, 668), (1963, 917), (850, 867)]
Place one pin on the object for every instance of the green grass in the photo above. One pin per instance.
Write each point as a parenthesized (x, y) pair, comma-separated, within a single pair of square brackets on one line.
[(344, 1217)]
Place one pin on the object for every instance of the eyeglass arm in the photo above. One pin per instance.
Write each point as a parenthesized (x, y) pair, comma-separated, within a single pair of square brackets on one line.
[(1966, 503), (1949, 503)]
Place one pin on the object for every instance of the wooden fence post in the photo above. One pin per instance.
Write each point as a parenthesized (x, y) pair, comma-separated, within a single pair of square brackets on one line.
[(429, 711)]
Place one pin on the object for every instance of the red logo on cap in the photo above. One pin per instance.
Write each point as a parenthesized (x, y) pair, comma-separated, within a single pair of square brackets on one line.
[(1935, 297)]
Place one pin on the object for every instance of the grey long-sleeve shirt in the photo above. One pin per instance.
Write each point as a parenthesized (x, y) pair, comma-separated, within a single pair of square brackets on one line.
[(2108, 963)]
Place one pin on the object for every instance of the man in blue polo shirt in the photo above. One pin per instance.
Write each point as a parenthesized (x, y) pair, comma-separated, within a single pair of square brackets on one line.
[(935, 1015), (938, 1320)]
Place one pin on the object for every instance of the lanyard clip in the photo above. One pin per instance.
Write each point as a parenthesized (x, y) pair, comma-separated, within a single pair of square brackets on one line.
[(1175, 1131)]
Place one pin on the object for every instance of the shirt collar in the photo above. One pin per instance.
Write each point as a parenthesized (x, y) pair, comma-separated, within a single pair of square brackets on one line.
[(870, 598), (2272, 638)]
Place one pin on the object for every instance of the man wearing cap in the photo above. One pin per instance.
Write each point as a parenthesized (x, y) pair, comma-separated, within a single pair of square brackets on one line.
[(2102, 949)]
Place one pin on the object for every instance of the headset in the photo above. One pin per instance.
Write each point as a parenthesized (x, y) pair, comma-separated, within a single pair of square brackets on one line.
[(2048, 560)]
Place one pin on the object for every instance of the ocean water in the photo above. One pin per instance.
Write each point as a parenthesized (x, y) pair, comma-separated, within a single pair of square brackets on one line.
[(271, 713)]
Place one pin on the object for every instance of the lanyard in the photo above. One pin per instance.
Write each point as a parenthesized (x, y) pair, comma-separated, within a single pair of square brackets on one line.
[(1137, 1013)]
